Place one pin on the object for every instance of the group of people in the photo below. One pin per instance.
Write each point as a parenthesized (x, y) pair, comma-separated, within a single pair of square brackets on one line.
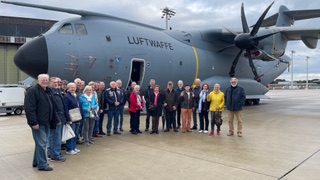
[(47, 106)]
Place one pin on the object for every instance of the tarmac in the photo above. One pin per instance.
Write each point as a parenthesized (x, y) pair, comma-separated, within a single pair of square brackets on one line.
[(281, 140)]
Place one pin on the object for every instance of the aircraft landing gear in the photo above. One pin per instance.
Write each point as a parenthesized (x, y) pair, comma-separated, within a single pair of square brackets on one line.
[(252, 102)]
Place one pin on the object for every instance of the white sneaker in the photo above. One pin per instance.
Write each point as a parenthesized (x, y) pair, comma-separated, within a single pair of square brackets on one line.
[(72, 152), (205, 131), (77, 150), (201, 131)]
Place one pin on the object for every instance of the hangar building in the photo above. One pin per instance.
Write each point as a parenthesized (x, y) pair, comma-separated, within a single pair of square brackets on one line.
[(15, 31)]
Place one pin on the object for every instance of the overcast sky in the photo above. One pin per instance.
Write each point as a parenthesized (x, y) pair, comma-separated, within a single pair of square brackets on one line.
[(190, 14)]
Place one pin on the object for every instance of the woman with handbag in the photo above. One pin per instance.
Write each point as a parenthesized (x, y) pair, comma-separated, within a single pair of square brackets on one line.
[(71, 103), (216, 99), (203, 108), (89, 106), (156, 100)]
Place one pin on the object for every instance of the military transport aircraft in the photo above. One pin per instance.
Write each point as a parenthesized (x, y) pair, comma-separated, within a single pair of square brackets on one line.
[(101, 47)]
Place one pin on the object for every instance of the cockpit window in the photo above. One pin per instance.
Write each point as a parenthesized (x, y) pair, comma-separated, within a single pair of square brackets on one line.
[(81, 29), (66, 29)]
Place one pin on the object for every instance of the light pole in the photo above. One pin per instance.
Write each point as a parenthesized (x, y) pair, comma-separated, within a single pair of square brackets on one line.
[(292, 52), (307, 82), (167, 13)]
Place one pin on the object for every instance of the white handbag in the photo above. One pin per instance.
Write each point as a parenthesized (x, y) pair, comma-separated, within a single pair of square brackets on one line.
[(75, 114)]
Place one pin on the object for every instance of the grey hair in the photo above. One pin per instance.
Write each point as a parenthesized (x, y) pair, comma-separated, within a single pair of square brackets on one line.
[(71, 84), (43, 75)]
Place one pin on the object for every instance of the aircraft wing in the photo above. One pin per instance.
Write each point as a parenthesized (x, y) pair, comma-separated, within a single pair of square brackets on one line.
[(75, 11), (293, 14), (309, 36)]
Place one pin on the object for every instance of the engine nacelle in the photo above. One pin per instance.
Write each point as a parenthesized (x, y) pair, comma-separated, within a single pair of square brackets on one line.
[(263, 56)]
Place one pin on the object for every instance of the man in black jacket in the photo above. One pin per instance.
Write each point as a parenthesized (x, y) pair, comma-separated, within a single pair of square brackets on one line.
[(113, 99), (170, 105), (147, 95), (235, 99), (39, 112)]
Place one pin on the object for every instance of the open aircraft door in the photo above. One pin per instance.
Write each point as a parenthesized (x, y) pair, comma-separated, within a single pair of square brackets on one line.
[(137, 71)]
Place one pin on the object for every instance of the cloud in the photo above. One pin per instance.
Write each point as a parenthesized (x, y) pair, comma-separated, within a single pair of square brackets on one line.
[(200, 14)]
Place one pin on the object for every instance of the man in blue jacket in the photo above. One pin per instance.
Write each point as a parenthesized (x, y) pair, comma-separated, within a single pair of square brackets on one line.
[(235, 99), (54, 149)]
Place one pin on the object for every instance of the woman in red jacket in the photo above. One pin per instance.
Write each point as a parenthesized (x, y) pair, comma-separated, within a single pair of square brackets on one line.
[(135, 107)]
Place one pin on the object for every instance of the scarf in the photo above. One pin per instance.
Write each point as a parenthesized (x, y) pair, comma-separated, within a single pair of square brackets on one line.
[(89, 98), (202, 99), (138, 98)]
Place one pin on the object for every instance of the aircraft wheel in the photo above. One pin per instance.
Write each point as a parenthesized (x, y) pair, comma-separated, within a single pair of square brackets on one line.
[(249, 102), (256, 101), (18, 111)]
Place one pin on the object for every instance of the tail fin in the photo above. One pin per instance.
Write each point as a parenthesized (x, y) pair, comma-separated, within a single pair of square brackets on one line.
[(283, 19)]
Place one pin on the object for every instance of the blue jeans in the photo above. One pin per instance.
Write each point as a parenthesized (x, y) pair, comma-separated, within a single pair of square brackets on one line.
[(113, 114), (71, 143), (135, 116), (170, 119), (194, 114), (101, 122), (121, 111), (55, 142), (40, 138), (96, 125)]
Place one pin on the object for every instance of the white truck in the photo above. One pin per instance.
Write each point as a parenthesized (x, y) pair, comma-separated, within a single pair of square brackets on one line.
[(12, 100)]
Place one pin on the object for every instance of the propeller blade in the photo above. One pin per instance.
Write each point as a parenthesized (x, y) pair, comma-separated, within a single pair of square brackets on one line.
[(264, 36), (234, 64), (260, 20), (245, 26), (225, 48), (230, 31), (253, 68)]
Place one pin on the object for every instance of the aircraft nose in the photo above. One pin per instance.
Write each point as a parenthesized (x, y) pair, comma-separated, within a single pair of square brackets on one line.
[(32, 57)]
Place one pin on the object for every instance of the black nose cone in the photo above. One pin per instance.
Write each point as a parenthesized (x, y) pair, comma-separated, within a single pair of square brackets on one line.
[(32, 57)]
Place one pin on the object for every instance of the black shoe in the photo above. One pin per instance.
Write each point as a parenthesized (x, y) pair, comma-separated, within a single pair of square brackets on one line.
[(152, 132), (102, 133), (166, 130), (175, 130), (134, 132), (157, 132), (147, 129), (194, 128), (117, 133), (108, 134), (178, 127), (34, 165), (46, 169), (130, 130), (121, 129), (139, 132)]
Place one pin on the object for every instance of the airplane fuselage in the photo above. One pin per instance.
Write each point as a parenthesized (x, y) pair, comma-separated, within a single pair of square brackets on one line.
[(94, 48)]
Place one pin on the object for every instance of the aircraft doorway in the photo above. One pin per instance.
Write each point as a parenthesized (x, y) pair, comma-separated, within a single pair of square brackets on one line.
[(137, 71)]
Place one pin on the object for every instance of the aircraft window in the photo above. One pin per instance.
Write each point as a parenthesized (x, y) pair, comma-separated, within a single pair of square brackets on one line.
[(81, 29), (66, 29)]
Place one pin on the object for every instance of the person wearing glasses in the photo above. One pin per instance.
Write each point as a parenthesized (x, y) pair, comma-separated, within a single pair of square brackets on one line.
[(235, 99)]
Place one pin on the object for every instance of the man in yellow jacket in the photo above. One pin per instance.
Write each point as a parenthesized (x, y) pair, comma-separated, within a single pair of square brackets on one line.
[(216, 99)]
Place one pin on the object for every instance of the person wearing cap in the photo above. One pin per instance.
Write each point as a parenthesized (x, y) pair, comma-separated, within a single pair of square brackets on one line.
[(187, 106), (170, 105)]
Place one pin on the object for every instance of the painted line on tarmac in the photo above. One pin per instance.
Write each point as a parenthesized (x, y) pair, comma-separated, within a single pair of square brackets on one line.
[(299, 164)]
